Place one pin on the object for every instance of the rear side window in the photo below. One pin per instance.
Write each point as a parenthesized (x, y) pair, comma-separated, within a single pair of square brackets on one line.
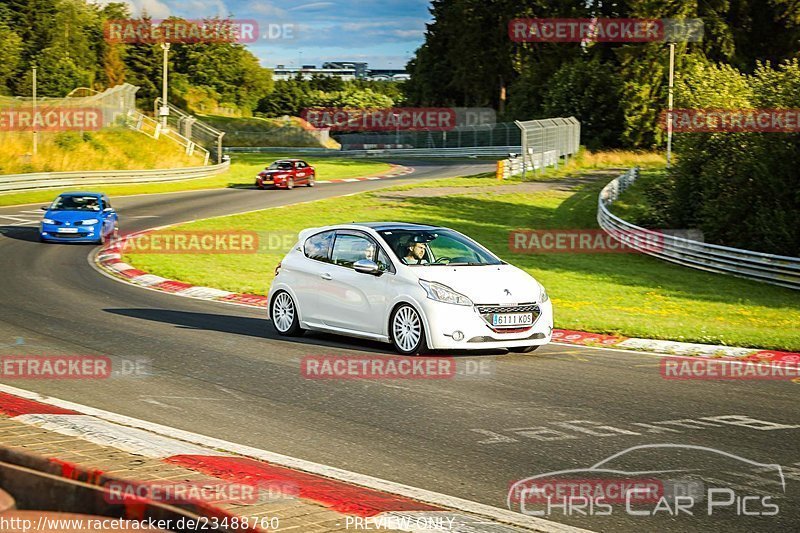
[(318, 246)]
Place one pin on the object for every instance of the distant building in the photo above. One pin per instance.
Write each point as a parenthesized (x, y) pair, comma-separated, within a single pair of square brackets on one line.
[(345, 70)]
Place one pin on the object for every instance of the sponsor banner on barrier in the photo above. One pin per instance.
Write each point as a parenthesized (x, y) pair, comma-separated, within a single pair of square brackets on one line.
[(604, 30), (703, 368), (732, 120), (47, 118)]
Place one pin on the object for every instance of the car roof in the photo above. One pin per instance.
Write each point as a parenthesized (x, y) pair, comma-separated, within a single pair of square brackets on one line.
[(389, 226), (80, 193)]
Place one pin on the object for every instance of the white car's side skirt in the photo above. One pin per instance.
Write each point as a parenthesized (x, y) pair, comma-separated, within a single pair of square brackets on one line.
[(343, 331)]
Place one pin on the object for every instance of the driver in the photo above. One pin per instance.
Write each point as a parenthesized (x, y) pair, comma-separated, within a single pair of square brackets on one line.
[(415, 253)]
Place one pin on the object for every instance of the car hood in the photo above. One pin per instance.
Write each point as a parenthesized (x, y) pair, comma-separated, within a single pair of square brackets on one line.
[(273, 172), (490, 284), (72, 216)]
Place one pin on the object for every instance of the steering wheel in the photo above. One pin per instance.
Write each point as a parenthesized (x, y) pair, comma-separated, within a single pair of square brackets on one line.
[(442, 260)]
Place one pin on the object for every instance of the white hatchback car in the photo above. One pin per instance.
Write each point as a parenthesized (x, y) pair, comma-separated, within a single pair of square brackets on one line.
[(418, 287)]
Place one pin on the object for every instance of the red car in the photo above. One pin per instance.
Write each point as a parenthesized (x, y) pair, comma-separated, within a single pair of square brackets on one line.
[(286, 173)]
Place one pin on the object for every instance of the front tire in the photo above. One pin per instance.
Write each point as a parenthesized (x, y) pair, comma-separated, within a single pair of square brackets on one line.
[(290, 184), (524, 349), (283, 313), (407, 331)]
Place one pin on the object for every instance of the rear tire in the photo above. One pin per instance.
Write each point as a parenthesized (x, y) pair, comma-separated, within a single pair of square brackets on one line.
[(407, 331), (283, 313), (311, 180), (524, 349)]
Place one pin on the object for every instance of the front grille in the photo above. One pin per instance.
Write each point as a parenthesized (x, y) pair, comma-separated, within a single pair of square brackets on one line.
[(70, 235), (486, 311), (521, 308)]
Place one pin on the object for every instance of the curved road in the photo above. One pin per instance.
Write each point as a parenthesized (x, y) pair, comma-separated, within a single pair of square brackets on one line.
[(218, 370)]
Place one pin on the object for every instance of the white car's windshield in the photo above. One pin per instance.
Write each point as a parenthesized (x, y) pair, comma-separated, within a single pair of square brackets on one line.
[(439, 247), (76, 203)]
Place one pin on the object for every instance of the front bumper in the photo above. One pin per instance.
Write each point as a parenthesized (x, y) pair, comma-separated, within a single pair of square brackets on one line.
[(50, 232), (444, 320)]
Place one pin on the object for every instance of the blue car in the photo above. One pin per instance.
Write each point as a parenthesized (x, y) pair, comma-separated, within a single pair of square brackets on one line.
[(79, 217)]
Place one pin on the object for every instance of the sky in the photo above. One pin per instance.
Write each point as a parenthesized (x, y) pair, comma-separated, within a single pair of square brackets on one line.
[(383, 33)]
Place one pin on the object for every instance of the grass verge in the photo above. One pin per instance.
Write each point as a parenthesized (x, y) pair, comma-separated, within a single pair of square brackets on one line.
[(627, 294), (244, 168)]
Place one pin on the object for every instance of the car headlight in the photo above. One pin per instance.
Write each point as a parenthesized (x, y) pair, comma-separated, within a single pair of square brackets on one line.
[(90, 222), (443, 293), (48, 221), (543, 297)]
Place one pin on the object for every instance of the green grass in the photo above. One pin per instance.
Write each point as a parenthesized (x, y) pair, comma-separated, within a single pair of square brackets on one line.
[(110, 148), (627, 294), (244, 168)]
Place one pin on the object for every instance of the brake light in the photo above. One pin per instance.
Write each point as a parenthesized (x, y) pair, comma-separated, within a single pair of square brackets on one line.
[(277, 269)]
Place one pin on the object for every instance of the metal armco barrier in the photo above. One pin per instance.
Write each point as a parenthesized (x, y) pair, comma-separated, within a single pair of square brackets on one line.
[(49, 180), (768, 268)]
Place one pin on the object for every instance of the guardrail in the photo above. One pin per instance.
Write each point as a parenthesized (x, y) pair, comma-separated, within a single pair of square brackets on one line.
[(475, 151), (768, 268), (49, 180)]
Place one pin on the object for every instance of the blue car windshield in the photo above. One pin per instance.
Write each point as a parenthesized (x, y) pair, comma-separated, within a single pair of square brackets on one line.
[(76, 203)]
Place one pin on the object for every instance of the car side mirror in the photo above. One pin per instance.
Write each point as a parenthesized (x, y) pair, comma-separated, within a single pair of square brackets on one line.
[(44, 208), (108, 210), (365, 266)]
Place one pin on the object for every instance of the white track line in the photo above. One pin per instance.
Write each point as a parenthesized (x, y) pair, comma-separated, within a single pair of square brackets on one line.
[(435, 498)]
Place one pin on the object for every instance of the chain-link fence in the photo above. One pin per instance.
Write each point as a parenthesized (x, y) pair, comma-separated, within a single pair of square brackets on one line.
[(113, 104), (544, 142), (194, 129), (503, 134)]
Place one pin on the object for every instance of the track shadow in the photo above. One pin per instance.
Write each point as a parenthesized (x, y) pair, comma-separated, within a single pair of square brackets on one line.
[(21, 233), (261, 328)]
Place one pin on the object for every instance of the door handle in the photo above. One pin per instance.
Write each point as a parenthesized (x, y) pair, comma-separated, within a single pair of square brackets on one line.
[(326, 276)]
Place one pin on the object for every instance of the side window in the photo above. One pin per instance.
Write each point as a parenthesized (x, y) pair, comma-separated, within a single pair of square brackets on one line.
[(318, 246), (347, 249), (384, 263), (106, 202)]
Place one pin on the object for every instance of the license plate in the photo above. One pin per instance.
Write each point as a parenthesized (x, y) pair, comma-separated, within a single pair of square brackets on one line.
[(512, 319), (68, 230)]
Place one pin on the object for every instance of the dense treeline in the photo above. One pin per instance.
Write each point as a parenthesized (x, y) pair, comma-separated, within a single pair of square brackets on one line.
[(65, 39), (616, 89), (741, 189), (291, 96)]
